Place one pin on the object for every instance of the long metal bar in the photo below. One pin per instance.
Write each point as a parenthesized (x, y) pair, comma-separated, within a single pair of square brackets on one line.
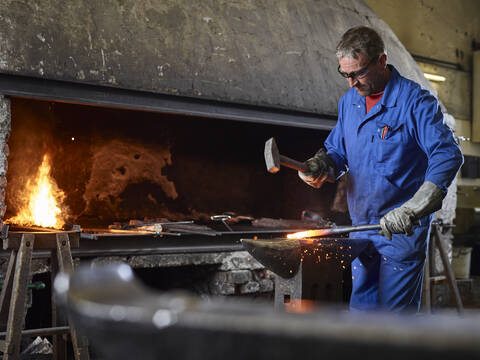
[(427, 292), (43, 331), (348, 229), (250, 232), (63, 91), (333, 231), (438, 62), (153, 251), (452, 283), (191, 231), (161, 223)]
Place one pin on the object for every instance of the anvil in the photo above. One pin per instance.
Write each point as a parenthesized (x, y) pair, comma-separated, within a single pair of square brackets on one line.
[(310, 269)]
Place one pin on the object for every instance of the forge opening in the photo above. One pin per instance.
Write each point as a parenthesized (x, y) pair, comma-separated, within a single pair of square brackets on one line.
[(115, 165)]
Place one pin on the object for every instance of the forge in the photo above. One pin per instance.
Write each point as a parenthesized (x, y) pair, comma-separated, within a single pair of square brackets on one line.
[(113, 166), (116, 165), (145, 188)]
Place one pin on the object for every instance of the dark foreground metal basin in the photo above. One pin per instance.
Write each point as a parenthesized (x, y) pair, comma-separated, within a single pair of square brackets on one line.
[(283, 256), (125, 320)]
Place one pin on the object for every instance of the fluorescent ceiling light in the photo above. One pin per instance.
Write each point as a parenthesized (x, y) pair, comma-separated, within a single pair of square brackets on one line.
[(433, 77)]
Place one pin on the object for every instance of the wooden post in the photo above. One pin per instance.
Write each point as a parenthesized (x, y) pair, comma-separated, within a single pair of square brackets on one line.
[(18, 291)]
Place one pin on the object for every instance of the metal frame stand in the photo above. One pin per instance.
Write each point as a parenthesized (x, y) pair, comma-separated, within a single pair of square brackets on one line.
[(14, 293), (449, 275)]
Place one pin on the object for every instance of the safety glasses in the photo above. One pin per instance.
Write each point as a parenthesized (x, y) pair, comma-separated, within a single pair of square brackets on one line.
[(359, 73)]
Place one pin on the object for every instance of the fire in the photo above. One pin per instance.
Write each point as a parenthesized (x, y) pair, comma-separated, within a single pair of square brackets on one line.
[(42, 201), (307, 234)]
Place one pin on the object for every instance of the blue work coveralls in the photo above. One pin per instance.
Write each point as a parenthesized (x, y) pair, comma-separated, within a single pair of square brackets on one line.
[(389, 153)]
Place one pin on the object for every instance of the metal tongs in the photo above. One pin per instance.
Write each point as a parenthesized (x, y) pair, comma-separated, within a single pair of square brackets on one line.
[(158, 227), (223, 219)]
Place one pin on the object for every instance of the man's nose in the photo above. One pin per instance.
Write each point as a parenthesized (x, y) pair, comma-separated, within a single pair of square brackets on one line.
[(352, 81)]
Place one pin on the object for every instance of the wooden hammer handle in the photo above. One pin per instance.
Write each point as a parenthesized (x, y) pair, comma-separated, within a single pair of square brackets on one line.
[(292, 164)]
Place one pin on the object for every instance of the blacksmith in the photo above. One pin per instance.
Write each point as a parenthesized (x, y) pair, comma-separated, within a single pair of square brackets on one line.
[(399, 158)]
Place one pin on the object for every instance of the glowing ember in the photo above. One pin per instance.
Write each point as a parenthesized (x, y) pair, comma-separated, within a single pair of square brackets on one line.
[(307, 234), (42, 199), (300, 306)]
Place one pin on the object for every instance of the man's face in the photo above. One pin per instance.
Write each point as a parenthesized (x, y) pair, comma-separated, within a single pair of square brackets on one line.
[(373, 79)]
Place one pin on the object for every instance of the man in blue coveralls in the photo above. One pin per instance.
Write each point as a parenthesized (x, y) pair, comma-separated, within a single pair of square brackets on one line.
[(400, 157)]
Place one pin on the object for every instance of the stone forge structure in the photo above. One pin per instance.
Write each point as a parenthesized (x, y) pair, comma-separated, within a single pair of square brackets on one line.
[(252, 62), (4, 133)]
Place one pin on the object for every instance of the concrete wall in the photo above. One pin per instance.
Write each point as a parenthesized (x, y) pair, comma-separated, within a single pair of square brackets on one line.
[(438, 29), (442, 30), (263, 52)]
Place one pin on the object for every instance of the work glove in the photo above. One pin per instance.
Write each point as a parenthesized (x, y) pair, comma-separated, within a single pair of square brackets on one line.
[(426, 200), (320, 169)]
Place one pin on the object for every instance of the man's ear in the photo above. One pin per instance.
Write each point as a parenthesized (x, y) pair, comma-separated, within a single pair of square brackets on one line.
[(382, 59)]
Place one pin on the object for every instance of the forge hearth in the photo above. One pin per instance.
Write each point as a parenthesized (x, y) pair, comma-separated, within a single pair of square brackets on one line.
[(114, 165), (307, 269)]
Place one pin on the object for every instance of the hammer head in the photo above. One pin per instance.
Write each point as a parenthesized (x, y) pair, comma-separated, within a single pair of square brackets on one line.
[(272, 156)]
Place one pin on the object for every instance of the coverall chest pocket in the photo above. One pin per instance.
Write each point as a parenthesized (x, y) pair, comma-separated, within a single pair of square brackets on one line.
[(390, 146)]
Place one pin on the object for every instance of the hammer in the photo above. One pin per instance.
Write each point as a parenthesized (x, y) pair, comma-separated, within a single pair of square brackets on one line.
[(273, 159)]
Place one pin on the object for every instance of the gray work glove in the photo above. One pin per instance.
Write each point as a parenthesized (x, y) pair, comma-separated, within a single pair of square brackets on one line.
[(320, 169), (426, 200)]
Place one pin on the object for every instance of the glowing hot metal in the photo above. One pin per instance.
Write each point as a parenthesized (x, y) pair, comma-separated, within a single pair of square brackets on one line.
[(307, 234), (333, 231)]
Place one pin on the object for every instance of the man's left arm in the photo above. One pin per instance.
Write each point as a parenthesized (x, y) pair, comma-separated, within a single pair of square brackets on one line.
[(444, 160)]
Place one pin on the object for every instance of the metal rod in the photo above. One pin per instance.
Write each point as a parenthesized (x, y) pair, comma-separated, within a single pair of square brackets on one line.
[(448, 270), (348, 229), (427, 292), (161, 223), (248, 232), (195, 232), (43, 331), (442, 63)]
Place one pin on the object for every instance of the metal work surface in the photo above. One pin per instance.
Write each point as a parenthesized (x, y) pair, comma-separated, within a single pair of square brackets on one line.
[(283, 256), (131, 244), (307, 269), (124, 320), (111, 244)]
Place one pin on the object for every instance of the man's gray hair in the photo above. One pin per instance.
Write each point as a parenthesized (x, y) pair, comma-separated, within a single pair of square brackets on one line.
[(360, 39)]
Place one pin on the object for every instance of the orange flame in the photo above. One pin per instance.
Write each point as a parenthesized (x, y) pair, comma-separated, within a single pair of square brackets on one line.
[(42, 201)]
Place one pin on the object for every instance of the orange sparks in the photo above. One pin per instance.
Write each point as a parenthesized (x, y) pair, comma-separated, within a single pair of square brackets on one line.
[(307, 234), (42, 201)]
